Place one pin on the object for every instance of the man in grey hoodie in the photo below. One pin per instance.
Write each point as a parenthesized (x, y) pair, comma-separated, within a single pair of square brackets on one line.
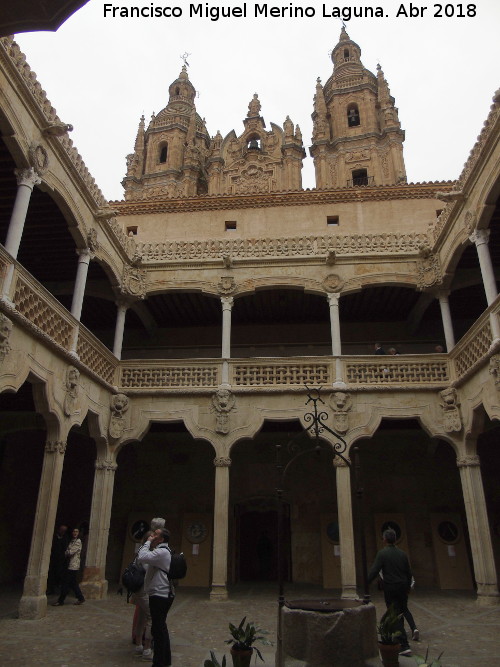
[(156, 554)]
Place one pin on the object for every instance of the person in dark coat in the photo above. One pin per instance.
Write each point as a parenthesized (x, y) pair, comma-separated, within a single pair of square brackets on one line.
[(397, 575), (57, 564)]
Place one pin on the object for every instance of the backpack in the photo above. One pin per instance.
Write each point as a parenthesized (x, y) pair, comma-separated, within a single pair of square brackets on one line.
[(178, 565), (133, 577)]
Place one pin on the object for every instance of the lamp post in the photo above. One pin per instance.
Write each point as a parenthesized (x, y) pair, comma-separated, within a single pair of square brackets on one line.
[(316, 419)]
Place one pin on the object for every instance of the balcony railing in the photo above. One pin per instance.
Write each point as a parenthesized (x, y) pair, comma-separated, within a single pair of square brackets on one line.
[(48, 320)]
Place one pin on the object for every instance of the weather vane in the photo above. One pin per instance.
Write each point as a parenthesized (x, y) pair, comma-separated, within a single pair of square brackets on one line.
[(184, 57)]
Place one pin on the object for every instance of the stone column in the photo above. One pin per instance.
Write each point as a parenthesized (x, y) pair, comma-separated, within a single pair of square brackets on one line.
[(33, 602), (449, 335), (480, 238), (26, 181), (122, 306), (227, 305), (84, 257), (479, 531), (94, 584), (333, 302), (346, 530), (221, 520)]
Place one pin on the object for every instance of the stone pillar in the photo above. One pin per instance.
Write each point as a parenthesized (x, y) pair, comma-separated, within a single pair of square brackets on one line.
[(33, 602), (346, 530), (94, 584), (26, 181), (333, 302), (221, 520), (480, 238), (227, 305), (84, 257), (122, 306), (449, 335), (479, 531)]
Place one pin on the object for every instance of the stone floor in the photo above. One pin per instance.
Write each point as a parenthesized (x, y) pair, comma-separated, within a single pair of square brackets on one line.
[(98, 632)]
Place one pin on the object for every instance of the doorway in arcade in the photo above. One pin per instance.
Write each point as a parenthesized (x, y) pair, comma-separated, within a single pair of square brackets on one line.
[(167, 474), (309, 496)]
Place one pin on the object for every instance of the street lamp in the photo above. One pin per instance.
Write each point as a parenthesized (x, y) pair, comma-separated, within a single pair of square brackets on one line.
[(316, 419)]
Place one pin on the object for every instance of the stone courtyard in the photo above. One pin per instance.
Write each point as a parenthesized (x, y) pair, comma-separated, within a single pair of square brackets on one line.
[(98, 633)]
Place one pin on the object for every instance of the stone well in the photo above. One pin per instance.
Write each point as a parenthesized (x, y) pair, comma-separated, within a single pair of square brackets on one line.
[(329, 633)]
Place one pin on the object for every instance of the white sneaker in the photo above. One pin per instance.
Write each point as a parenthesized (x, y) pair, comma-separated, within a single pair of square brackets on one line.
[(138, 650), (147, 654), (416, 635)]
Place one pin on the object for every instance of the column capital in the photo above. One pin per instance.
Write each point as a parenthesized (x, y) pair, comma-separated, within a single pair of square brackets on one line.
[(333, 298), (443, 294), (227, 302), (338, 462), (468, 461), (53, 446), (105, 464), (222, 462), (480, 236), (84, 253), (27, 177)]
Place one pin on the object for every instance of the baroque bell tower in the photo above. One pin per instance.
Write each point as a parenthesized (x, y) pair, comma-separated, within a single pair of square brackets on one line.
[(169, 155), (357, 137)]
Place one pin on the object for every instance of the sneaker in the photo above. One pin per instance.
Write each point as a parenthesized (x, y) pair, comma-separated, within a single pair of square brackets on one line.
[(416, 635), (79, 601), (138, 650), (57, 604), (147, 654), (405, 651)]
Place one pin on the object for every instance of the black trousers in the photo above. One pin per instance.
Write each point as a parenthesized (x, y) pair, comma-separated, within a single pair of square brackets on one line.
[(397, 595), (69, 582), (159, 608)]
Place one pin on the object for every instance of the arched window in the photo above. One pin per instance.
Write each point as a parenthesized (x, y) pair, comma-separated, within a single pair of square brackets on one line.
[(353, 115), (177, 91), (253, 143), (346, 54), (163, 154)]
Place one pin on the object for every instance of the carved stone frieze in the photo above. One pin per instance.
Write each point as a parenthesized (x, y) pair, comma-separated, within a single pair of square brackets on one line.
[(451, 413), (134, 282), (39, 158), (428, 272), (333, 283), (380, 244), (55, 446), (468, 461), (226, 285), (5, 331), (71, 403), (341, 404), (357, 156), (223, 402), (222, 462), (119, 406)]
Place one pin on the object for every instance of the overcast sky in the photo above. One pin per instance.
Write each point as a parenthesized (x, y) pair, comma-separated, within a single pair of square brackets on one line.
[(101, 73)]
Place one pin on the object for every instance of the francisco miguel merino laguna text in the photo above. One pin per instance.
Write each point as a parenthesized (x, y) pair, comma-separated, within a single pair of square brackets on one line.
[(215, 12)]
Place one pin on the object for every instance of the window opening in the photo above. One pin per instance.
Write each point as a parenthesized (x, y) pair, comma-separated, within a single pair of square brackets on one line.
[(253, 144), (359, 177), (353, 119), (332, 220), (132, 231), (230, 225), (163, 154)]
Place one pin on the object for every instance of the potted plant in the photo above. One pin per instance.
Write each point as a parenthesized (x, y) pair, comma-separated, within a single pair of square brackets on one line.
[(389, 631), (422, 661), (213, 662), (241, 641)]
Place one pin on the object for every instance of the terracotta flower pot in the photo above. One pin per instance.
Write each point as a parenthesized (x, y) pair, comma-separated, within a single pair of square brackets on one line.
[(389, 654), (241, 658)]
